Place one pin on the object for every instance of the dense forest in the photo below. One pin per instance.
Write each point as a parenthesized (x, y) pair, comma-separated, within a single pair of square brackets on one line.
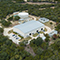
[(9, 7), (11, 51), (43, 51)]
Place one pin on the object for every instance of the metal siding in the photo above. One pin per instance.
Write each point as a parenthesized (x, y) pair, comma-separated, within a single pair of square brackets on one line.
[(29, 26)]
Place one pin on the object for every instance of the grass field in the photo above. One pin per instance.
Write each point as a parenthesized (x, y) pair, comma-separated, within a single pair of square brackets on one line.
[(50, 25), (28, 38), (35, 34)]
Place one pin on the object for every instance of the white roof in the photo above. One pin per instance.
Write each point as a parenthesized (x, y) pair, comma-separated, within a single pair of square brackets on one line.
[(23, 13), (29, 26), (43, 20), (52, 33), (43, 37), (21, 19)]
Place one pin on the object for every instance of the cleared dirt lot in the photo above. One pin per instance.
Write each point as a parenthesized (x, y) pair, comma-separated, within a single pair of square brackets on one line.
[(38, 3), (30, 50)]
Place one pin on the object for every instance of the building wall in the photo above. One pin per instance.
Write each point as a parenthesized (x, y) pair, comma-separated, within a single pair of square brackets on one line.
[(32, 32), (27, 34), (25, 0), (18, 31), (54, 32)]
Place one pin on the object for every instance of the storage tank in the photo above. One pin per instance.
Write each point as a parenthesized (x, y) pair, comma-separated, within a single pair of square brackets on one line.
[(23, 15)]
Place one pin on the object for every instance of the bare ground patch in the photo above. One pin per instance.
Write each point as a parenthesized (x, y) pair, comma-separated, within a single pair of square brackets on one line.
[(30, 50)]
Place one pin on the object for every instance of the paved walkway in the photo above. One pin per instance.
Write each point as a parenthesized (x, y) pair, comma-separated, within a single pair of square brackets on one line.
[(48, 29), (38, 3), (33, 17), (0, 26), (13, 38), (6, 30), (41, 35)]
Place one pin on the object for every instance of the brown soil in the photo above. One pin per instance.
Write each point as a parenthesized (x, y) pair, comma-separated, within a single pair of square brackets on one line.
[(30, 50)]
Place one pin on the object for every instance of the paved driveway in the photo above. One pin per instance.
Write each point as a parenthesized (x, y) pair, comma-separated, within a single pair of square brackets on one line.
[(48, 29), (13, 38), (17, 40), (6, 30)]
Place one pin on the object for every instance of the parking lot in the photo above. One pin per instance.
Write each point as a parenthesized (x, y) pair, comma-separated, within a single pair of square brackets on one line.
[(14, 38)]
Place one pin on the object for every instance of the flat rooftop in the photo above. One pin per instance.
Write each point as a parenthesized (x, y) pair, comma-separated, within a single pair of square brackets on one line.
[(29, 26), (43, 20)]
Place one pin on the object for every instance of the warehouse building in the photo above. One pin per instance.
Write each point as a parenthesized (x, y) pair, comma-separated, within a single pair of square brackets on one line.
[(28, 28), (24, 17)]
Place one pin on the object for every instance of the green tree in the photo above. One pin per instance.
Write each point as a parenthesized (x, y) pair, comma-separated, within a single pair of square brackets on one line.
[(58, 28), (51, 23), (12, 58), (1, 30), (45, 45), (39, 51), (17, 57), (47, 36), (5, 23), (16, 18), (10, 18), (20, 58), (47, 39), (37, 41), (22, 44)]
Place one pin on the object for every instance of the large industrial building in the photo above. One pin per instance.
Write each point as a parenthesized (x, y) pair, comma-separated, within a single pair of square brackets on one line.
[(28, 28)]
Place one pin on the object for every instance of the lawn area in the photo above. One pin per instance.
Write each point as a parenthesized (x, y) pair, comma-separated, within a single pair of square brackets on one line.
[(41, 32), (28, 38), (45, 29), (35, 34), (22, 39), (50, 25), (18, 35), (11, 31)]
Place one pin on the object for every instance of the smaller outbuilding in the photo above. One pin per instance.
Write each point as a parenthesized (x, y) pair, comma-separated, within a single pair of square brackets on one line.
[(43, 20), (52, 33), (23, 15), (25, 19), (43, 38)]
